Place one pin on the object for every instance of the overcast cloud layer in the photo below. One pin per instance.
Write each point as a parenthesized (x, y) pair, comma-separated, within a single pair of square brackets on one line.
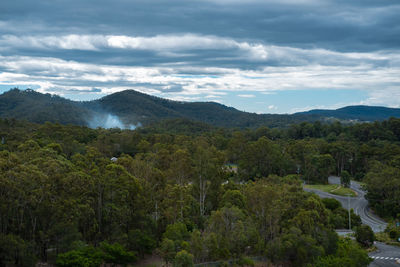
[(248, 54)]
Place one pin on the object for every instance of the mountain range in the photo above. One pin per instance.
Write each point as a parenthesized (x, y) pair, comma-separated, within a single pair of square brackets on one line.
[(129, 108)]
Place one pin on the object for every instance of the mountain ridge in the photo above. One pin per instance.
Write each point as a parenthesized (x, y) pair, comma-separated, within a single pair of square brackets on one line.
[(130, 107), (360, 112)]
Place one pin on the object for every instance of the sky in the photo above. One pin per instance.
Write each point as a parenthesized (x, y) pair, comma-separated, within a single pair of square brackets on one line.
[(263, 56)]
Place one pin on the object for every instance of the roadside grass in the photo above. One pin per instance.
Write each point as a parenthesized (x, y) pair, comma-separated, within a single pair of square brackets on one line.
[(384, 238), (361, 183), (333, 189)]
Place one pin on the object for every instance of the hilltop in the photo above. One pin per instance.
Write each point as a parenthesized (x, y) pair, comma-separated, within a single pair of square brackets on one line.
[(130, 107)]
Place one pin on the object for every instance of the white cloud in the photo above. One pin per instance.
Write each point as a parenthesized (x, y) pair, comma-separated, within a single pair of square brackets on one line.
[(54, 75), (168, 45), (178, 46), (246, 96), (272, 107)]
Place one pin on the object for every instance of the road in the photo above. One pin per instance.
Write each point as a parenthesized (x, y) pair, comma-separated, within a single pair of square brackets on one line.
[(385, 255), (359, 204)]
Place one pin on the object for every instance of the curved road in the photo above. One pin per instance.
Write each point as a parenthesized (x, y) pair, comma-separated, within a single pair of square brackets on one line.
[(359, 204), (385, 255)]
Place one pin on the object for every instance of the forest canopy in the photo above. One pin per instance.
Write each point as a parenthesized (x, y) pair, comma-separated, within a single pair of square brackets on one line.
[(71, 194)]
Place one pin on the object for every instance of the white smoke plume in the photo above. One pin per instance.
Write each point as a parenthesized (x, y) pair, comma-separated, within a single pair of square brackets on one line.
[(108, 121)]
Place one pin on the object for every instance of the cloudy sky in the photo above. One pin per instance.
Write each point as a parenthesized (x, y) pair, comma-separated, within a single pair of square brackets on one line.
[(264, 56)]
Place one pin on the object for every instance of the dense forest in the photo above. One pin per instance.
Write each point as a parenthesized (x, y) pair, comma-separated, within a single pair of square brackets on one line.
[(191, 193)]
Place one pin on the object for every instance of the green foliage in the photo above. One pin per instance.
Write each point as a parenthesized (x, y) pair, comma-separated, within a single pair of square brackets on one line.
[(116, 254), (176, 232), (59, 188), (88, 256), (244, 261), (331, 203), (339, 217), (167, 250), (321, 166), (364, 235), (83, 257), (15, 251), (141, 242), (345, 179), (233, 198), (383, 187), (349, 254), (183, 259)]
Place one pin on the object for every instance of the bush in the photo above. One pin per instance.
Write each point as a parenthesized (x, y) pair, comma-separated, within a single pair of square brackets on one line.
[(116, 254), (244, 261), (331, 203), (84, 257), (364, 235), (183, 259), (167, 250), (15, 250), (89, 256), (348, 254), (141, 242)]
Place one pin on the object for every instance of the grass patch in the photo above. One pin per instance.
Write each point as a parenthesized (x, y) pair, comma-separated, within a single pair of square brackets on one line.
[(384, 238), (333, 189)]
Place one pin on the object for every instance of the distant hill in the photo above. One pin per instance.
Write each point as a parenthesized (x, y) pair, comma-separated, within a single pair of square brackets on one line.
[(132, 107), (361, 113), (39, 108), (129, 108)]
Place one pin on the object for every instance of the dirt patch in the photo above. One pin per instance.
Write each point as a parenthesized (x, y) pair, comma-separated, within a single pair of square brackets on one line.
[(150, 261)]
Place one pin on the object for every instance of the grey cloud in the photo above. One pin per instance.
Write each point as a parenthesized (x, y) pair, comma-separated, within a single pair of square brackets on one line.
[(330, 24), (191, 50), (200, 46)]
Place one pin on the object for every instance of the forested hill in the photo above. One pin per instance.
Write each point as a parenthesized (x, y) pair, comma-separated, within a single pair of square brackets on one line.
[(362, 113), (132, 107), (36, 107)]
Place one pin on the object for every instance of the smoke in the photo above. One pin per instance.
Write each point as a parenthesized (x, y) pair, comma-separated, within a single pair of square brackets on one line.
[(108, 121)]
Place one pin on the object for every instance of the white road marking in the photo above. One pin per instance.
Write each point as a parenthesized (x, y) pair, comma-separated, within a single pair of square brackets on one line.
[(384, 258)]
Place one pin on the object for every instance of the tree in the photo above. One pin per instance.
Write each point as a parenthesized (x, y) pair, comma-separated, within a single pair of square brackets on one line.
[(15, 251), (260, 159), (383, 187), (331, 203), (364, 235), (319, 169), (345, 179), (141, 241), (167, 250), (82, 257), (183, 259), (116, 254), (233, 198), (233, 231), (197, 246), (208, 167), (349, 254)]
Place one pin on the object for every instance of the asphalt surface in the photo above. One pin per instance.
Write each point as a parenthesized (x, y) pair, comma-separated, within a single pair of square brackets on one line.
[(385, 255), (359, 204)]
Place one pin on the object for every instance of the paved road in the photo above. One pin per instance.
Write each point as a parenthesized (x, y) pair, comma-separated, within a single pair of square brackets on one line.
[(385, 256), (359, 204)]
